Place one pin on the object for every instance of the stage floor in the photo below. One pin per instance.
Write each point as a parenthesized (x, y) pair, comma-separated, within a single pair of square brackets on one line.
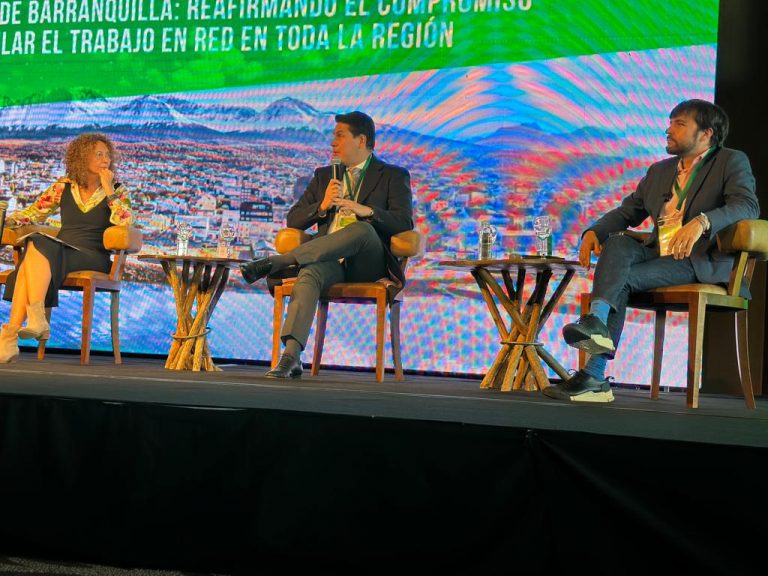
[(718, 420)]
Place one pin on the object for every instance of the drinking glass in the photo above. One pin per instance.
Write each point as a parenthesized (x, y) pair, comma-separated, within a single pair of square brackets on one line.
[(542, 227), (226, 236), (486, 237), (183, 234)]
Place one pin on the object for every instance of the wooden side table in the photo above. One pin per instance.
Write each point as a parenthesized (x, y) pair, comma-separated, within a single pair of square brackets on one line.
[(197, 283), (518, 363)]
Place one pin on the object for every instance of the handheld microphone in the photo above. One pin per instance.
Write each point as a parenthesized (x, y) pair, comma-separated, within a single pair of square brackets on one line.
[(336, 164), (3, 208)]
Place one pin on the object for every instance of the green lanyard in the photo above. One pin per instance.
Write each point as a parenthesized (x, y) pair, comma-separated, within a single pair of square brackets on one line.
[(681, 194), (356, 191)]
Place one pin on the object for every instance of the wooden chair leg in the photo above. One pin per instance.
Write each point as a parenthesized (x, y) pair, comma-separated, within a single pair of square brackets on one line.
[(586, 300), (742, 344), (115, 325), (381, 330), (41, 344), (696, 317), (85, 346), (277, 324), (320, 324), (394, 336), (660, 325)]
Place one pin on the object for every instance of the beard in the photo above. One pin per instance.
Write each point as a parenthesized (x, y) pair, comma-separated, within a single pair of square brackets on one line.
[(678, 148)]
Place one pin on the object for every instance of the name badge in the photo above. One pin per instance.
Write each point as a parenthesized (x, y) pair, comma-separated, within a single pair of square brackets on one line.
[(346, 218), (668, 227)]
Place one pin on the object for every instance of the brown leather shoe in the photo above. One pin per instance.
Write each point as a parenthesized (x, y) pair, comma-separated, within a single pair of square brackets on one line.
[(287, 367)]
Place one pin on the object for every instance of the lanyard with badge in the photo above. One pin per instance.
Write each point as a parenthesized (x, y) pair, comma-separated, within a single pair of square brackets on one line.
[(669, 225), (346, 216)]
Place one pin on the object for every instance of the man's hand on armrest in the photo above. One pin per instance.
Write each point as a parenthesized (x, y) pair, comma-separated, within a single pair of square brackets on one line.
[(589, 244)]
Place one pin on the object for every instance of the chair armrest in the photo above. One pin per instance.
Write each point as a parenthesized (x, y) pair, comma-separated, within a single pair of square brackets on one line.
[(128, 238), (745, 236), (407, 244), (289, 238), (11, 235)]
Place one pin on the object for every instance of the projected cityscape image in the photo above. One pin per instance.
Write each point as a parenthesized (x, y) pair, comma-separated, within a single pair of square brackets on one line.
[(566, 136)]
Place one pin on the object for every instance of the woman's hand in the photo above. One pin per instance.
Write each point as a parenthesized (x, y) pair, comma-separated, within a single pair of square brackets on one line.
[(107, 176)]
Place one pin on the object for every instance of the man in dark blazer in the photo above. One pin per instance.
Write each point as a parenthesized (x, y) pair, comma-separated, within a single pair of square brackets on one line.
[(702, 189), (358, 205)]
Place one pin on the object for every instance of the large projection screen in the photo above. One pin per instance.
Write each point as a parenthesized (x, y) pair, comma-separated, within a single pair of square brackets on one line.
[(221, 109)]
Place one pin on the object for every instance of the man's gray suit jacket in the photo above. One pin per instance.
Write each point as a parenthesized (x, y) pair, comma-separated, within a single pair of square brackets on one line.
[(723, 189), (386, 189)]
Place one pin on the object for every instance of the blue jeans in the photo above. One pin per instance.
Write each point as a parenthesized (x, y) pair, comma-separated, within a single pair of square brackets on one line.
[(626, 266)]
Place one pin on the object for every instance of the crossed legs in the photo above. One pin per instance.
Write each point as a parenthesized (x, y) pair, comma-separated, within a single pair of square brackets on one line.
[(625, 266), (320, 268), (32, 281)]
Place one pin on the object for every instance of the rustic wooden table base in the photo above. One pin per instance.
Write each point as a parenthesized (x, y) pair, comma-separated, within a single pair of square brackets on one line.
[(518, 362), (197, 283)]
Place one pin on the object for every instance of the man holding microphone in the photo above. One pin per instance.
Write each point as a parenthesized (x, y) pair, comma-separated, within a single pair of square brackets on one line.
[(356, 213)]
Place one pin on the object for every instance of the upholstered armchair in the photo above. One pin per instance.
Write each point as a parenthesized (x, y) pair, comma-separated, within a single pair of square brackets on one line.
[(404, 246)]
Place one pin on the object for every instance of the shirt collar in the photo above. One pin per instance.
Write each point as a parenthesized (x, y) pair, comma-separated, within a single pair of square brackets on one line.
[(97, 197), (362, 164)]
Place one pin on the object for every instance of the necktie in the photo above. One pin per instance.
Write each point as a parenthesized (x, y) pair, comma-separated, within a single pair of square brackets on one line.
[(354, 176)]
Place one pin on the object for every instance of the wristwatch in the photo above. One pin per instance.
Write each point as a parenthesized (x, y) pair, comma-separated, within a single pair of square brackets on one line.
[(704, 221)]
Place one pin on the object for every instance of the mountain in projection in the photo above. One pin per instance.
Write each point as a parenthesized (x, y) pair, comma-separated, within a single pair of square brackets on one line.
[(286, 118), (293, 113), (70, 115), (531, 138), (164, 113), (149, 111)]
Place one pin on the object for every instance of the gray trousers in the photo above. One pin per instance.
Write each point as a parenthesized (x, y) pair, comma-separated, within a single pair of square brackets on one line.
[(364, 261), (626, 266)]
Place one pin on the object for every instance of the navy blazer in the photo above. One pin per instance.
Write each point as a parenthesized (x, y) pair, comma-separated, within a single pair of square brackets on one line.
[(723, 189), (386, 189)]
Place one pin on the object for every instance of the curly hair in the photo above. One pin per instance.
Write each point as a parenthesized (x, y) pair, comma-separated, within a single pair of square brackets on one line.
[(78, 154)]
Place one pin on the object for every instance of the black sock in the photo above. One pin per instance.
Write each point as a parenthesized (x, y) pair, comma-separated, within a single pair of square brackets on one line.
[(281, 261)]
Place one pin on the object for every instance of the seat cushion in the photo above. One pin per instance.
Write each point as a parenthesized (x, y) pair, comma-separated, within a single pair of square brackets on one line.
[(704, 288), (82, 274), (356, 290)]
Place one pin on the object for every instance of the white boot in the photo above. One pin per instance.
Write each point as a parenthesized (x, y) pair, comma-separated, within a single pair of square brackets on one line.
[(9, 344), (37, 324)]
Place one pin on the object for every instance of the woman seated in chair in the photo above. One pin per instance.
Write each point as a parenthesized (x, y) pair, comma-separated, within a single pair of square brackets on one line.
[(90, 201)]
